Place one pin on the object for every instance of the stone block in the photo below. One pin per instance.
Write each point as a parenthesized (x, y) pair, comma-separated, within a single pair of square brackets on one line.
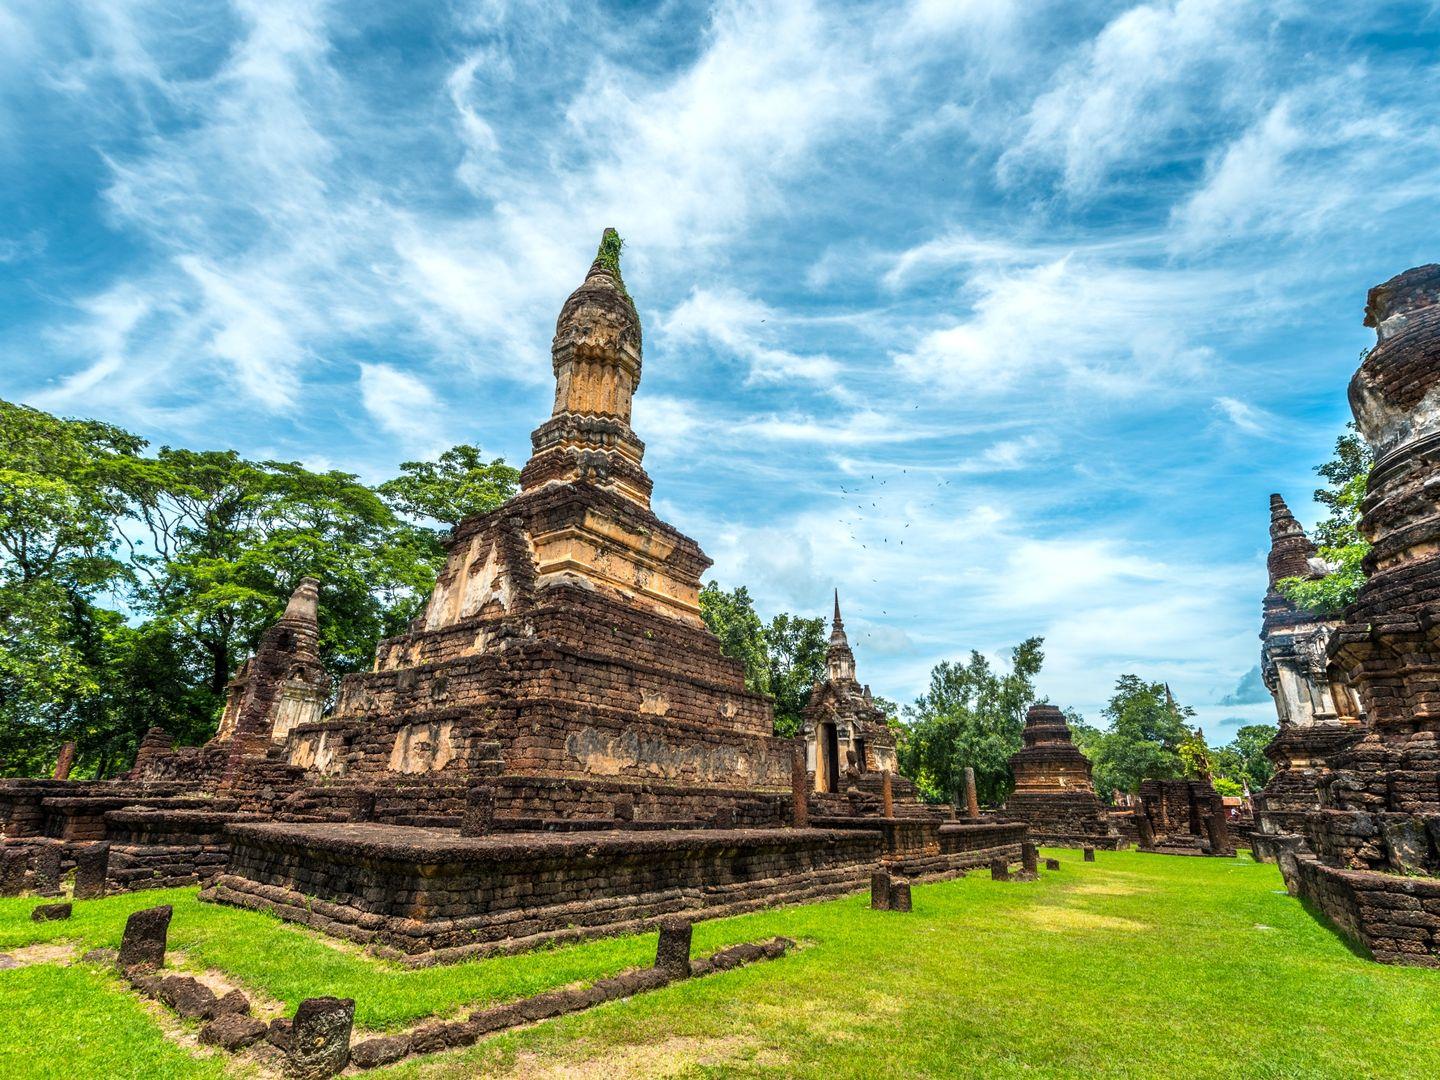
[(1052, 864), (1030, 857), (372, 1053), (13, 863), (880, 890), (92, 865), (900, 895), (143, 943), (999, 870), (320, 1038), (50, 912), (233, 1031), (1089, 853), (187, 996), (45, 870), (672, 954)]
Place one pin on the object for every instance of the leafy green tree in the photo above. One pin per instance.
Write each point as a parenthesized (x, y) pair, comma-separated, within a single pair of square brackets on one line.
[(457, 485), (972, 716), (783, 659), (732, 618), (795, 650), (228, 540), (58, 506), (1242, 761), (1143, 740), (1338, 535)]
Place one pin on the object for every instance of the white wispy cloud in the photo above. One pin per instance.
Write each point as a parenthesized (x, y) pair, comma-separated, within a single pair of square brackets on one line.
[(403, 405), (741, 325)]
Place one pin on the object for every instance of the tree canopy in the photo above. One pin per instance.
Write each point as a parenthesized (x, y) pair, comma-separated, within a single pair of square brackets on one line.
[(132, 584), (1338, 536), (971, 716), (783, 659)]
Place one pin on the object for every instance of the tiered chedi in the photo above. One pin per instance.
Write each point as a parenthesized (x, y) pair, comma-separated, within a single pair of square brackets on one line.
[(1373, 864), (1054, 794), (1317, 710)]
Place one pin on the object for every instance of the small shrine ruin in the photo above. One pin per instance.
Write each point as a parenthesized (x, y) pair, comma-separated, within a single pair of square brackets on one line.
[(1317, 710)]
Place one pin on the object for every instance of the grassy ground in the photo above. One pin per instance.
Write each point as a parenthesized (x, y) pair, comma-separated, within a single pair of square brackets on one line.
[(1137, 965)]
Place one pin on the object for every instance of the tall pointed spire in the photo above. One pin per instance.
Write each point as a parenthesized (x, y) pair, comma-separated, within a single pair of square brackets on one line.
[(839, 660)]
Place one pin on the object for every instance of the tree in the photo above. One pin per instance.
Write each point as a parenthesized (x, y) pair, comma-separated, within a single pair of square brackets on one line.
[(458, 485), (1338, 536), (1143, 741), (204, 549), (1242, 761), (973, 716), (732, 618), (783, 659), (795, 652), (58, 506)]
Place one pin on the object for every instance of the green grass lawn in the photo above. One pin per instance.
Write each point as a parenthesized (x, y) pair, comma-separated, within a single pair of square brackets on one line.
[(1136, 965)]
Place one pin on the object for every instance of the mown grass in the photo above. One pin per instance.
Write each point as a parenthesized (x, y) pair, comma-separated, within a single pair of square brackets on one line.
[(1136, 965)]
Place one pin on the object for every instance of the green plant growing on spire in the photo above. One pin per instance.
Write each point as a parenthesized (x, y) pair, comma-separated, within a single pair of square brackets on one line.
[(609, 257)]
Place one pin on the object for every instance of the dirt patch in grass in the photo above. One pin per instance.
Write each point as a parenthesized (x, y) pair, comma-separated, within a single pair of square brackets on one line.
[(672, 1057), (1106, 890), (1059, 920), (38, 954)]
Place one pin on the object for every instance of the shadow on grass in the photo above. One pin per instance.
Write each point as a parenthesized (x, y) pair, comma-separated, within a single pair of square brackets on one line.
[(1317, 913)]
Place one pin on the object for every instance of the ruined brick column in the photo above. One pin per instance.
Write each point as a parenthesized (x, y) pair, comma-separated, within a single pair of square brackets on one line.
[(1030, 857), (999, 869), (157, 741), (799, 787), (887, 794), (65, 762), (972, 800), (282, 686)]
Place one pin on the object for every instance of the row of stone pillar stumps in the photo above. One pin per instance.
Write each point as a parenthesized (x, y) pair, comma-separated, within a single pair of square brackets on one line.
[(316, 1042), (891, 893), (44, 864)]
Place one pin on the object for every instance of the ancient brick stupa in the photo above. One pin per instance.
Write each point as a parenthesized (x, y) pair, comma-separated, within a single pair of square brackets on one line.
[(1372, 863), (847, 742), (1054, 794), (1316, 709), (562, 699)]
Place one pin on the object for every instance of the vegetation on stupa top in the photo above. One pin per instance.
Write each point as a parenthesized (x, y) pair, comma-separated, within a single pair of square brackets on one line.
[(1337, 537), (132, 583), (609, 257)]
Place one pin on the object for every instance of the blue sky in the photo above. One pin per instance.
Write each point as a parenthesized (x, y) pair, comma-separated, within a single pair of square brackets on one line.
[(1004, 318)]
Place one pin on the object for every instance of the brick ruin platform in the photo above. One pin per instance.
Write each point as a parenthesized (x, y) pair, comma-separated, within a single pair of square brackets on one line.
[(556, 747), (1054, 794), (431, 895), (1370, 858)]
